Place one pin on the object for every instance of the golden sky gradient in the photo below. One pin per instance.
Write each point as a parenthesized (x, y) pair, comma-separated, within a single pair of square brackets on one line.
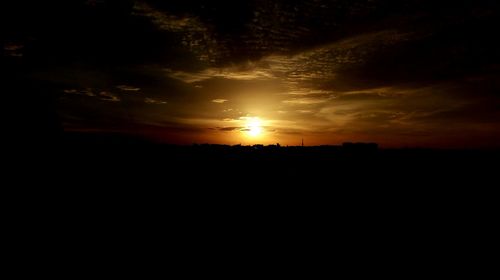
[(265, 72)]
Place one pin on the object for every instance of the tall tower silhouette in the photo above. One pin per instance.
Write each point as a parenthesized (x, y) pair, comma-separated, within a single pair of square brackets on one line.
[(302, 142)]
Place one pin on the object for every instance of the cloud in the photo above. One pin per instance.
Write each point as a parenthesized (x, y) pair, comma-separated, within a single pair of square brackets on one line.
[(230, 73), (166, 21), (108, 96), (149, 100), (87, 92), (309, 73), (305, 101), (194, 34), (128, 88), (13, 49), (230, 128), (220, 101), (309, 91)]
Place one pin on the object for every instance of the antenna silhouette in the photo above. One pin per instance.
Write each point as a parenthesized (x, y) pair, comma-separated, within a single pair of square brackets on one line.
[(302, 142)]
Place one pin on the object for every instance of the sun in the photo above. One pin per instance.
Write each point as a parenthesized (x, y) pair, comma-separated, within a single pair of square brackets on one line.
[(254, 127)]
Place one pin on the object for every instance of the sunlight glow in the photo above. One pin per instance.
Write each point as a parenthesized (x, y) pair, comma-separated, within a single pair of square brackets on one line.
[(254, 127)]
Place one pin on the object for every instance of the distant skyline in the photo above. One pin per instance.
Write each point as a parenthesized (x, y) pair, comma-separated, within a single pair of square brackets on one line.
[(415, 73)]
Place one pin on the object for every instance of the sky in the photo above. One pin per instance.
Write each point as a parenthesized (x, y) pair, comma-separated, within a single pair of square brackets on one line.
[(412, 73)]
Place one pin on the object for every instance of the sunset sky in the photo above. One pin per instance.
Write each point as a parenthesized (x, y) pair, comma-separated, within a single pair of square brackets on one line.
[(412, 73)]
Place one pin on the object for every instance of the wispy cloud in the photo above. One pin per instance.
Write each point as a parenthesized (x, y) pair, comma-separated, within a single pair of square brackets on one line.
[(305, 111), (230, 73), (230, 128), (220, 101), (128, 88), (306, 101), (87, 92), (307, 73), (108, 96), (71, 91), (14, 49), (149, 100), (195, 35), (168, 22)]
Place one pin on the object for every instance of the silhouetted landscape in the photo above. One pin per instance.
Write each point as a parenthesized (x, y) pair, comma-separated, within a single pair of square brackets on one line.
[(136, 151)]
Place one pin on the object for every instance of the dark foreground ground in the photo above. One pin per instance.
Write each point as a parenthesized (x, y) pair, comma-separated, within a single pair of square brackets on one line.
[(137, 172), (293, 205), (128, 169)]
